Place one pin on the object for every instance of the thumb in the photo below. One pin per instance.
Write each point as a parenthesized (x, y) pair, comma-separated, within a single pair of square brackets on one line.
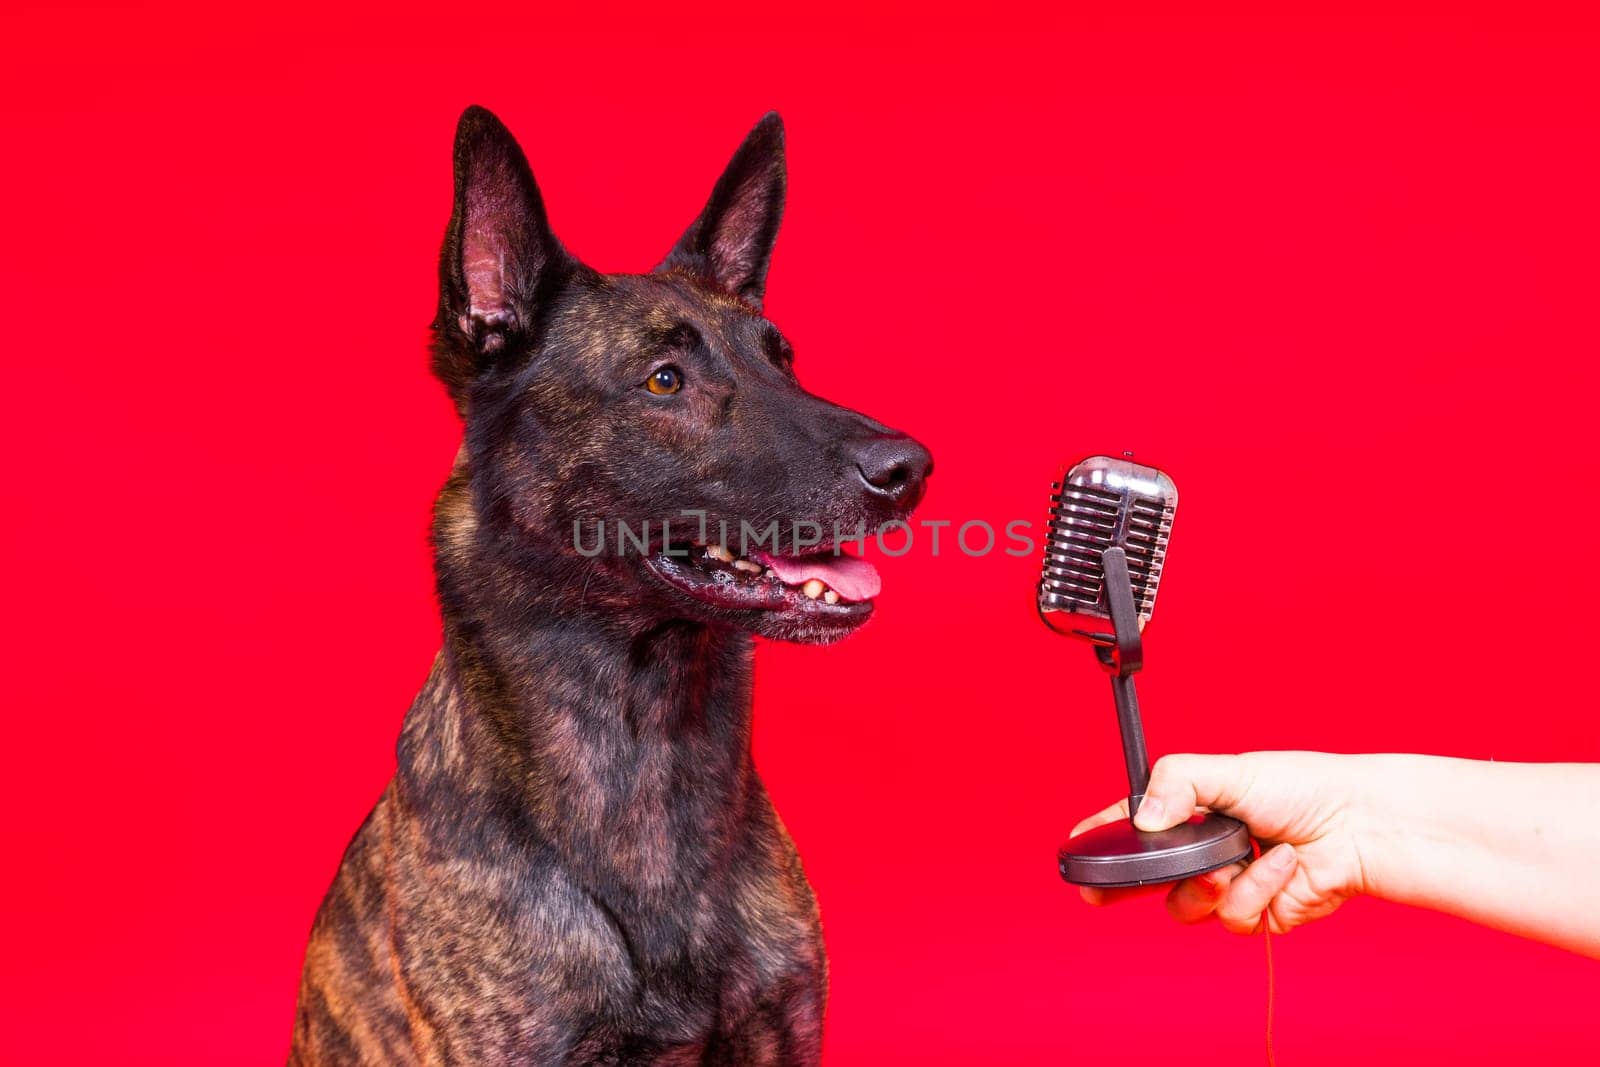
[(1179, 783)]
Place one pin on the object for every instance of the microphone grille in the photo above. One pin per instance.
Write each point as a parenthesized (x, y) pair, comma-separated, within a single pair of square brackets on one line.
[(1100, 503)]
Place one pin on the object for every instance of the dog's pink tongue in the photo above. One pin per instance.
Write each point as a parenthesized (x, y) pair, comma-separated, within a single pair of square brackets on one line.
[(850, 577)]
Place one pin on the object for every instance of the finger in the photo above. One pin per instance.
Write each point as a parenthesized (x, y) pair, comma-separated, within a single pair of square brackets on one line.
[(1195, 899), (1119, 810), (1179, 783), (1248, 895), (1100, 897)]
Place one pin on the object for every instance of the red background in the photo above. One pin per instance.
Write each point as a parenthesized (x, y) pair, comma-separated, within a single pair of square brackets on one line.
[(1338, 278)]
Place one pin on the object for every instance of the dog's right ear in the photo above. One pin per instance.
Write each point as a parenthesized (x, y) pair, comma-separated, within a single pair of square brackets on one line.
[(500, 262)]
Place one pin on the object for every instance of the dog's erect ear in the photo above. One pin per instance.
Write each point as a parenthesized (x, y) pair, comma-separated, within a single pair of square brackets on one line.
[(500, 261), (730, 244)]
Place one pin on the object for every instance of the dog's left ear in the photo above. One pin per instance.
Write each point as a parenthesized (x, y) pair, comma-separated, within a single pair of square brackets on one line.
[(730, 244)]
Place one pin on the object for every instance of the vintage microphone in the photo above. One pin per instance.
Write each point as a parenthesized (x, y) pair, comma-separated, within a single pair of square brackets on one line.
[(1105, 544)]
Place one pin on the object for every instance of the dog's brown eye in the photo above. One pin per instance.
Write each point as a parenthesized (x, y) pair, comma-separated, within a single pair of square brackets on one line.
[(664, 381)]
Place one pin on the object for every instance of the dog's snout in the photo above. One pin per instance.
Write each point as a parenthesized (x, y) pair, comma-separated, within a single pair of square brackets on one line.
[(894, 466)]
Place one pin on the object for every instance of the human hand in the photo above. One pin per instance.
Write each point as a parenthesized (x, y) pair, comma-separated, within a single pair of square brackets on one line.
[(1305, 805)]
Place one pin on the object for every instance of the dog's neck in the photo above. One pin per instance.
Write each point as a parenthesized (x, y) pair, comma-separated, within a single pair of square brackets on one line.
[(619, 741)]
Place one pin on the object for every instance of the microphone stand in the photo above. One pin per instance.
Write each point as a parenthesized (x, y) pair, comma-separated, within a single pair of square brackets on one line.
[(1117, 853), (1124, 660)]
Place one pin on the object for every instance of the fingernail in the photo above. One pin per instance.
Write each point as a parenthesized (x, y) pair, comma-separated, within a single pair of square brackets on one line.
[(1282, 857), (1150, 812)]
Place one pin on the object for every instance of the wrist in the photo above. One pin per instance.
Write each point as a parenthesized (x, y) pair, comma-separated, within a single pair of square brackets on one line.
[(1402, 841), (1371, 817)]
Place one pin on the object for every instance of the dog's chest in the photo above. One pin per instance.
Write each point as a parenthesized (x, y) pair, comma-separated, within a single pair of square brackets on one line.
[(597, 858), (513, 936)]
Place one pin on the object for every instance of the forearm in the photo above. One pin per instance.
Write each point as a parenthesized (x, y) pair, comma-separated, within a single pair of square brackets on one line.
[(1515, 846)]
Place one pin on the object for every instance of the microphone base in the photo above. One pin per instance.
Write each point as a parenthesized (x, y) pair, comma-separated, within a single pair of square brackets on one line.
[(1117, 855)]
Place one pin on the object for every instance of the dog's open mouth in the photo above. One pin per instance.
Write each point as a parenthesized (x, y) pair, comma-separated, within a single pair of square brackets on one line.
[(823, 586)]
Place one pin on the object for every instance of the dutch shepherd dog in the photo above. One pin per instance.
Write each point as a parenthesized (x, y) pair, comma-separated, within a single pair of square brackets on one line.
[(576, 862)]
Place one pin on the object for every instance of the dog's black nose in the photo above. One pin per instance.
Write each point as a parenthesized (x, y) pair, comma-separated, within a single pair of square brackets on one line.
[(894, 466)]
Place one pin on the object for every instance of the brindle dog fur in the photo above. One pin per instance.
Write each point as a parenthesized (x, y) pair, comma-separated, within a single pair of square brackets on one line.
[(576, 861)]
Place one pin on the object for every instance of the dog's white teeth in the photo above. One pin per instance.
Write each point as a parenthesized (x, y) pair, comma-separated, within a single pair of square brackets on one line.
[(746, 566), (719, 553), (813, 588), (831, 597)]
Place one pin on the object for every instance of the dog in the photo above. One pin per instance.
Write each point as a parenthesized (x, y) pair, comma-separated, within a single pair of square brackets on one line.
[(576, 861)]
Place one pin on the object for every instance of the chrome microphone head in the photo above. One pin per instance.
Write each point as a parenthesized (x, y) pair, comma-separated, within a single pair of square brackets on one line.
[(1101, 503)]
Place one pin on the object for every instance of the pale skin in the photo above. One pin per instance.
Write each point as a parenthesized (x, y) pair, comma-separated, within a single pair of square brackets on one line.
[(1514, 846)]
